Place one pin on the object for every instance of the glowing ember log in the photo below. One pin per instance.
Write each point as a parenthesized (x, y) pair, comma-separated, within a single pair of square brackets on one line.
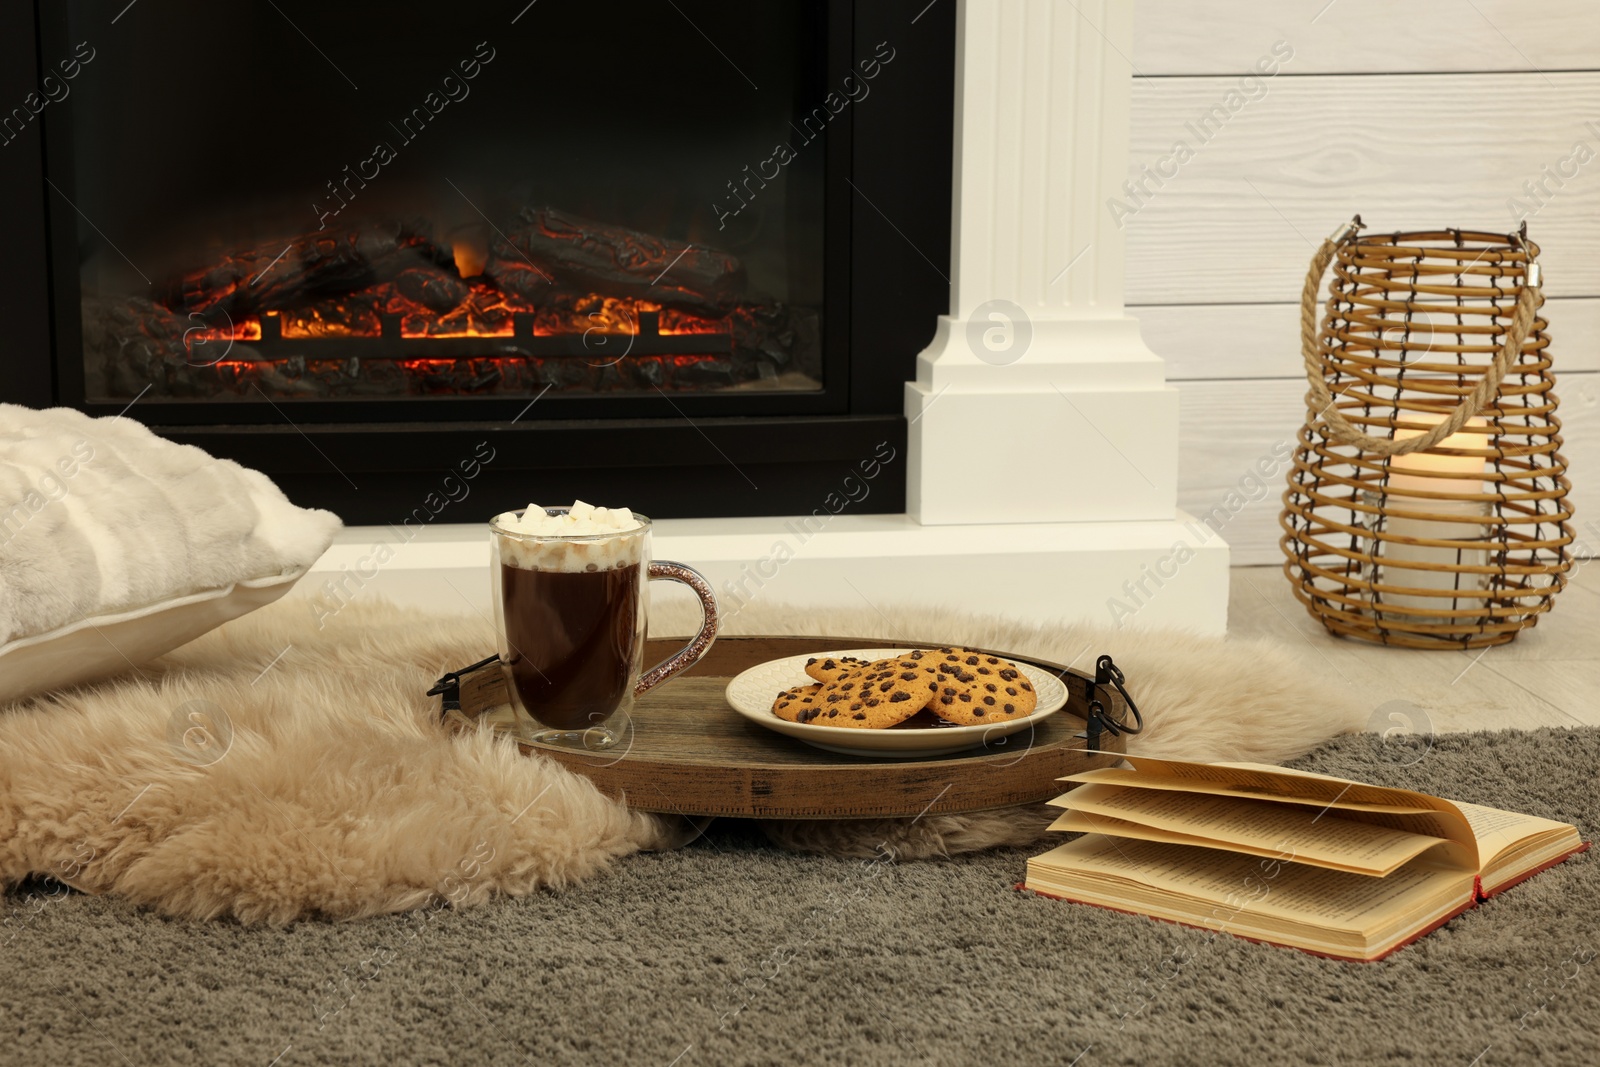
[(302, 270), (433, 288), (551, 249)]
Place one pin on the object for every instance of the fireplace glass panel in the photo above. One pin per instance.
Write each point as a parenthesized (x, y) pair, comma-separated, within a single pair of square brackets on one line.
[(351, 201)]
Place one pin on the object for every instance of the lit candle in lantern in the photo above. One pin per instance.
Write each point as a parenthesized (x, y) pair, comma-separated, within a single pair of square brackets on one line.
[(1405, 564)]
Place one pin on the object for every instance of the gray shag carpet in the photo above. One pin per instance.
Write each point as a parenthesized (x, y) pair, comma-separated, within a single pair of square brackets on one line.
[(731, 951)]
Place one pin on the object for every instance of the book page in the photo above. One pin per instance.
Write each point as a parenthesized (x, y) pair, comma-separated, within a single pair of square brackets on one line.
[(1236, 886), (1126, 776), (1258, 780), (1300, 834), (1273, 768), (1514, 845), (1083, 822), (1495, 829), (1422, 813), (1498, 830)]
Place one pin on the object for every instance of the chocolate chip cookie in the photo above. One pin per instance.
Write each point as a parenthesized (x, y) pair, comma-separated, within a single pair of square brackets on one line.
[(794, 703), (975, 688), (829, 668), (879, 695)]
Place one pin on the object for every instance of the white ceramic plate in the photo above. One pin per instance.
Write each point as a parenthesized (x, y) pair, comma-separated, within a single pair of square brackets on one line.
[(752, 692)]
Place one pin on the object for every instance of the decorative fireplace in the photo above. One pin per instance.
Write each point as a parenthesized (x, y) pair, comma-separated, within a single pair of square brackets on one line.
[(680, 254)]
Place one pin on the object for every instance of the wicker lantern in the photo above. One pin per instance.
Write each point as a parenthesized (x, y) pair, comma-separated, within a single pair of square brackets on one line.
[(1427, 504)]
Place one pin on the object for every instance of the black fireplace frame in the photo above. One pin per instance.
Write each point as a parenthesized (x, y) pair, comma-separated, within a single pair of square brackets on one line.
[(888, 218)]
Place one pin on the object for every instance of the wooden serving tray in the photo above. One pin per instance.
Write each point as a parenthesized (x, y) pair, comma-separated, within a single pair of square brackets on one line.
[(692, 754)]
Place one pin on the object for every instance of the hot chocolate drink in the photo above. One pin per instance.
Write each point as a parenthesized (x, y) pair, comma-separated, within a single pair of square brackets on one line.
[(575, 641), (571, 601), (570, 595)]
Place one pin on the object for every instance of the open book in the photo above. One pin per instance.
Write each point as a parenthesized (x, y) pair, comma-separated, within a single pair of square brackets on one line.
[(1317, 863)]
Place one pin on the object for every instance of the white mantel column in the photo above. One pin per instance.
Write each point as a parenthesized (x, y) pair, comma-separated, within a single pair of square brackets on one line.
[(1037, 400)]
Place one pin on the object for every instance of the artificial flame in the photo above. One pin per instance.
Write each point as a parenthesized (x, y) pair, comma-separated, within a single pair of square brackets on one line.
[(471, 255)]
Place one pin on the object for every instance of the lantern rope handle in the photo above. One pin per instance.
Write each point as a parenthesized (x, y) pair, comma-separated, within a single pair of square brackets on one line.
[(1320, 401)]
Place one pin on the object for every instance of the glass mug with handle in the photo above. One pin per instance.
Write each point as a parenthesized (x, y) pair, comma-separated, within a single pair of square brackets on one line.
[(571, 601)]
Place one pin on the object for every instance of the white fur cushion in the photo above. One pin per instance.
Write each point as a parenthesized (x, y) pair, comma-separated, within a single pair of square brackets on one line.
[(102, 521)]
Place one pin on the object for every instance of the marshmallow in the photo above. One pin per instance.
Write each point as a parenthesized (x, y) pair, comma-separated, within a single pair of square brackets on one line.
[(602, 545), (581, 520)]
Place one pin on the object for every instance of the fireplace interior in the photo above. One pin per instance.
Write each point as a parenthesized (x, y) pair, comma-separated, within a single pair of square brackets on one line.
[(544, 302)]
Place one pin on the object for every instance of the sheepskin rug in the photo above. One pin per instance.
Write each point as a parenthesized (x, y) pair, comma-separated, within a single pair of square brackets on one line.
[(273, 770)]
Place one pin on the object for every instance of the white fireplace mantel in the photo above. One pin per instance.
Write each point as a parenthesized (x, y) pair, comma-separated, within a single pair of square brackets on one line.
[(1042, 476), (1038, 384)]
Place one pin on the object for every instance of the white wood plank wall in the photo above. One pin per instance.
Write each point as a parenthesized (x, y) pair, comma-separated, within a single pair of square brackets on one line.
[(1422, 114)]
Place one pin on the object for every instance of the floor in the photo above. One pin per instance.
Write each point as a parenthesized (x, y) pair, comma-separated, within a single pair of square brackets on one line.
[(1548, 676)]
